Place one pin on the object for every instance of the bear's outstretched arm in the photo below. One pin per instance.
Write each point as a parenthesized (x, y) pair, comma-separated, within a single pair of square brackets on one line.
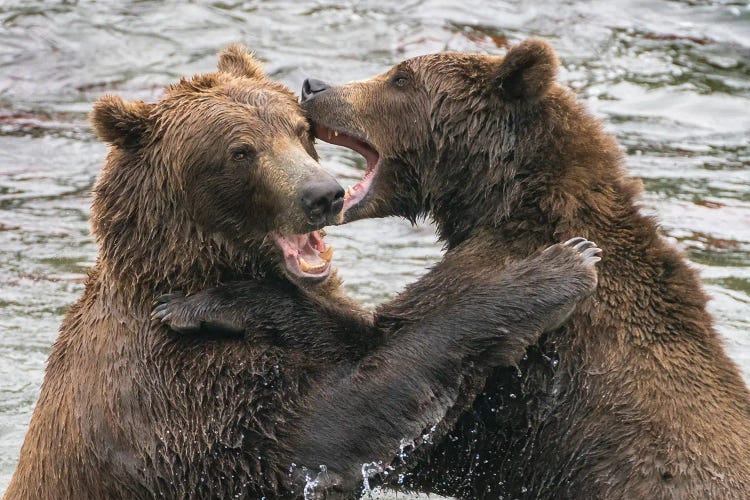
[(277, 312), (359, 419), (273, 310)]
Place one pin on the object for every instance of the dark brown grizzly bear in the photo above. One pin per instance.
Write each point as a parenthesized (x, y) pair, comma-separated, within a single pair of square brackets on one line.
[(217, 182), (633, 397)]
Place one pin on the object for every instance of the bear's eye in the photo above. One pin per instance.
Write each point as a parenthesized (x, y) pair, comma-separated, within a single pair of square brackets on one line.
[(400, 80), (242, 153)]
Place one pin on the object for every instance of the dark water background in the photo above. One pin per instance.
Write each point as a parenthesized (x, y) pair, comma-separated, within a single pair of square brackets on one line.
[(672, 80)]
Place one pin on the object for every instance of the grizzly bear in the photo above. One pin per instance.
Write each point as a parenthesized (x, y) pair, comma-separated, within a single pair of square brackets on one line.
[(218, 182), (633, 396)]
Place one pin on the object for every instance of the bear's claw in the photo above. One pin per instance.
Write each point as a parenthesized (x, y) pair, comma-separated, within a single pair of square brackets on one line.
[(588, 249), (168, 297), (576, 260), (582, 251), (164, 307)]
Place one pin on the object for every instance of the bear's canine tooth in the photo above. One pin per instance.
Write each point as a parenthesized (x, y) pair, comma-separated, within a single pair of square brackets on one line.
[(335, 133), (327, 254)]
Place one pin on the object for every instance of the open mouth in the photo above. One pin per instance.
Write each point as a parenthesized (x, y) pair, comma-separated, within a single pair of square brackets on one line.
[(306, 256), (357, 193)]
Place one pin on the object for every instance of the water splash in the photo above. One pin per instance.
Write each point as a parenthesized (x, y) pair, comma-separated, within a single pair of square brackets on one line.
[(311, 486), (316, 486), (404, 447), (369, 471)]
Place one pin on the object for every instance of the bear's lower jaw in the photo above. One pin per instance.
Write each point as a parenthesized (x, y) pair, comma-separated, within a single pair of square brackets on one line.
[(360, 191), (305, 256)]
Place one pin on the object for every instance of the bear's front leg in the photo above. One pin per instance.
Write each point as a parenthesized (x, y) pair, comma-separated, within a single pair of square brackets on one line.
[(438, 335)]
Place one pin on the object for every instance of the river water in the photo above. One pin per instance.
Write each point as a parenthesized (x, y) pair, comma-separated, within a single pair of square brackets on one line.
[(671, 79)]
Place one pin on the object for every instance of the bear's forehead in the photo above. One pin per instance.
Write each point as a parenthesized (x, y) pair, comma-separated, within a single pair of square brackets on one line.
[(261, 93), (446, 62), (217, 88), (235, 101), (253, 116)]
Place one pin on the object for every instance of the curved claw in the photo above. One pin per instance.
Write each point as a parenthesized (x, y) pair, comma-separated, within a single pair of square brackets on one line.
[(169, 297), (160, 313), (586, 249), (161, 306), (593, 252), (584, 245), (574, 241)]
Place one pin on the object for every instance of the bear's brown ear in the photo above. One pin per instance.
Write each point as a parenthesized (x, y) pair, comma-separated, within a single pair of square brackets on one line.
[(527, 71), (119, 122), (238, 61)]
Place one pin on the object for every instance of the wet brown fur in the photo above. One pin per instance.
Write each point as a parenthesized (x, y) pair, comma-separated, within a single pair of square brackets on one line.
[(130, 409), (127, 408), (634, 397)]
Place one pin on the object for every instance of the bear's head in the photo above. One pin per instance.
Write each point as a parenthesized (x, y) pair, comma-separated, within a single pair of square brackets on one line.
[(220, 172), (450, 135)]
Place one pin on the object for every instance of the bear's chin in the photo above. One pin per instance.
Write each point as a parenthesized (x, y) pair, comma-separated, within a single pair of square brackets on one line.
[(306, 257)]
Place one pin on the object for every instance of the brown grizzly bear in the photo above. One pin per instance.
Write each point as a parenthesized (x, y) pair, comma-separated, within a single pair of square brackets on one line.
[(218, 182), (633, 397)]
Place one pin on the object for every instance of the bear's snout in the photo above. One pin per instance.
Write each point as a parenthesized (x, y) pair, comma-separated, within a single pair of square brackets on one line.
[(312, 87), (322, 199)]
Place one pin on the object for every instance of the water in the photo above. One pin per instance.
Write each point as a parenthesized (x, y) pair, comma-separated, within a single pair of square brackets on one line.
[(672, 79)]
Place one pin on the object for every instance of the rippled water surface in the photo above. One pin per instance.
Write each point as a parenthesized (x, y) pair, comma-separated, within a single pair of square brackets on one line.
[(672, 80)]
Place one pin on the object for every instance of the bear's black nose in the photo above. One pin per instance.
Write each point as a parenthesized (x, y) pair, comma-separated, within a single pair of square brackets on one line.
[(311, 86), (322, 199)]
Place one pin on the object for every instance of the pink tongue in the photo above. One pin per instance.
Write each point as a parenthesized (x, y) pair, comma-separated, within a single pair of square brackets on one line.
[(304, 246), (307, 245)]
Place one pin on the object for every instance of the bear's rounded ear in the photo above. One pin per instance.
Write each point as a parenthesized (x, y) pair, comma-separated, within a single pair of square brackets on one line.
[(119, 122), (527, 71), (238, 61)]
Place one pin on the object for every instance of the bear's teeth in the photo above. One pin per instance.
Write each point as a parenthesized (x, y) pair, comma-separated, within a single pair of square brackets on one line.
[(349, 193), (308, 268), (327, 254), (335, 133)]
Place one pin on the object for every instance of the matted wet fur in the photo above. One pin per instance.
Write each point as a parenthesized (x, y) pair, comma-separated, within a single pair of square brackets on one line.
[(191, 191), (634, 397)]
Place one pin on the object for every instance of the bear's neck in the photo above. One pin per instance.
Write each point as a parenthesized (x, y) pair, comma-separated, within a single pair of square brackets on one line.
[(551, 174), (149, 245), (570, 182)]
